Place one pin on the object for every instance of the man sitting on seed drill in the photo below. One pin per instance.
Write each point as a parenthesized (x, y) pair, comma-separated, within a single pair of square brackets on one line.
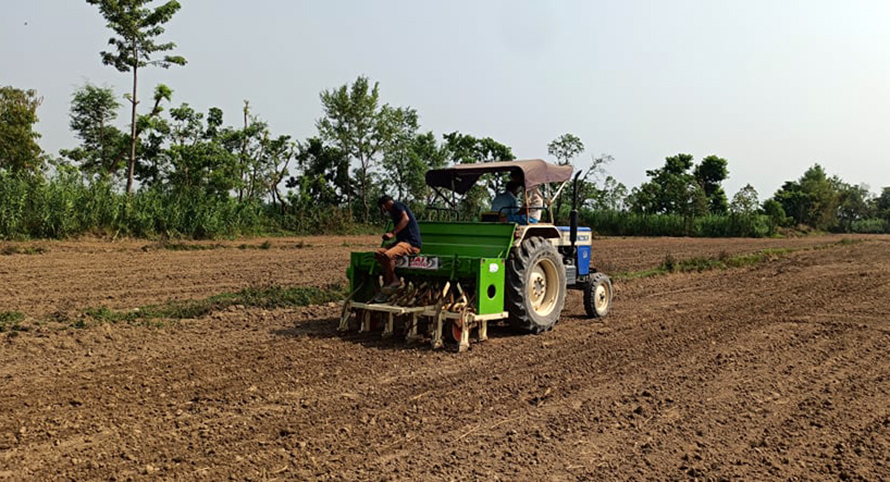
[(407, 235)]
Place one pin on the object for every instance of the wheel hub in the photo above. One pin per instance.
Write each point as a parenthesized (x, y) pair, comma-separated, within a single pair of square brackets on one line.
[(539, 284), (543, 287), (601, 297)]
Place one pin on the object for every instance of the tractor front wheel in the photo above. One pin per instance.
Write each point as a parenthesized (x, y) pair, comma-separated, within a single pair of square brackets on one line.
[(536, 285), (598, 296)]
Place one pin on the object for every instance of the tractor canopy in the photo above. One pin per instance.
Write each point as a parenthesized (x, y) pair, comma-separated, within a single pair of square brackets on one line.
[(462, 177)]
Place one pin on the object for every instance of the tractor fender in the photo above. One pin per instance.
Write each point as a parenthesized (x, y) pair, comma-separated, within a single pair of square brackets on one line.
[(546, 231)]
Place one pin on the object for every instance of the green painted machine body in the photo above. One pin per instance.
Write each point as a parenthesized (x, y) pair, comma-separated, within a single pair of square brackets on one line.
[(472, 254)]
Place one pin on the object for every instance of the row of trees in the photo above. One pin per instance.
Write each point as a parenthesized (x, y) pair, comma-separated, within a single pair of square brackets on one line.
[(824, 202), (363, 147)]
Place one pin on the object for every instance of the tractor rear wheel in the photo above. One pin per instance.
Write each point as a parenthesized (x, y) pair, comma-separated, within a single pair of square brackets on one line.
[(536, 285), (598, 296)]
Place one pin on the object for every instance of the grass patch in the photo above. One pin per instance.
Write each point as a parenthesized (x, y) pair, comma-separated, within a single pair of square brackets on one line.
[(265, 245), (262, 297), (282, 297), (10, 250), (190, 246), (11, 321), (849, 241), (725, 261)]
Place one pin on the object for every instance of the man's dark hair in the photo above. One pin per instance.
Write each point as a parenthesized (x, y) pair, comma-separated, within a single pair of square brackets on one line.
[(383, 200), (512, 186)]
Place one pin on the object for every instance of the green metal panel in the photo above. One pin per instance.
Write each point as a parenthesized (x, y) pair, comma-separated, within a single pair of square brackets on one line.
[(473, 240), (362, 276), (463, 250), (490, 286)]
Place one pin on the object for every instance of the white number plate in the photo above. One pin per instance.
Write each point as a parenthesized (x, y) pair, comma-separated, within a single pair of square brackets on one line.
[(417, 262)]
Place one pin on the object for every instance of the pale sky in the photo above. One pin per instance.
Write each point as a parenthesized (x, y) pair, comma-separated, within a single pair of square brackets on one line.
[(771, 85)]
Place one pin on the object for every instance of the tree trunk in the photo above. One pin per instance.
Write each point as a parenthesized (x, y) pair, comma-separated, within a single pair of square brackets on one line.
[(366, 210), (243, 156), (131, 164)]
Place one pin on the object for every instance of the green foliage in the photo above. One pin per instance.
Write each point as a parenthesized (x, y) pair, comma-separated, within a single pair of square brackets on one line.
[(854, 203), (201, 179), (596, 190), (269, 297), (137, 27), (467, 149), (611, 196), (407, 158), (103, 147), (10, 250), (733, 225), (701, 264), (870, 226), (67, 206), (565, 148), (263, 158), (824, 203), (724, 260), (812, 200), (745, 201), (710, 173), (775, 212), (424, 153), (194, 158), (11, 321), (672, 189), (189, 246), (618, 223), (882, 204), (356, 123), (325, 176), (19, 151), (312, 219)]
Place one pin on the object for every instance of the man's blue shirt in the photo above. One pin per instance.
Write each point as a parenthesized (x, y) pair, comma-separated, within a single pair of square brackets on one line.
[(411, 233), (504, 200)]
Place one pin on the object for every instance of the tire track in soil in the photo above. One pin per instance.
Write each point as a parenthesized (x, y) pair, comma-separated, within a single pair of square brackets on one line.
[(707, 384)]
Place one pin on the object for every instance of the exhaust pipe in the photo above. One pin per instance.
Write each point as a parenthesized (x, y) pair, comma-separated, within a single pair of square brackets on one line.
[(573, 215)]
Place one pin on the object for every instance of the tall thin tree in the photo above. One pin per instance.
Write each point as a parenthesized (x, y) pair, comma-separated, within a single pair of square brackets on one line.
[(137, 26)]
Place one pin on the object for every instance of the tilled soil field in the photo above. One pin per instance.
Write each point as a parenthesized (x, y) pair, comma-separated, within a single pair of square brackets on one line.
[(67, 277), (777, 371)]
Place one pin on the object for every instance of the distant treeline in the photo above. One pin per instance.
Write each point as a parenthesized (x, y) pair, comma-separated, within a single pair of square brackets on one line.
[(196, 177)]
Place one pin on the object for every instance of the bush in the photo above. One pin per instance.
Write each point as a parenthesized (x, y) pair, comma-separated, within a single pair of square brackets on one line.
[(616, 223), (870, 226), (66, 205)]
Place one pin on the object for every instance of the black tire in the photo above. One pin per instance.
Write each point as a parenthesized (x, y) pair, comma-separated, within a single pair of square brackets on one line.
[(598, 296), (536, 286)]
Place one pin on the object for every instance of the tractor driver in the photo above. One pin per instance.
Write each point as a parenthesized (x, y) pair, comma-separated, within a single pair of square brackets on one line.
[(534, 204), (507, 202), (407, 235)]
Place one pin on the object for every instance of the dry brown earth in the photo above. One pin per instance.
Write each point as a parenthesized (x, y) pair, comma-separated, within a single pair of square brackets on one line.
[(773, 372), (72, 275)]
